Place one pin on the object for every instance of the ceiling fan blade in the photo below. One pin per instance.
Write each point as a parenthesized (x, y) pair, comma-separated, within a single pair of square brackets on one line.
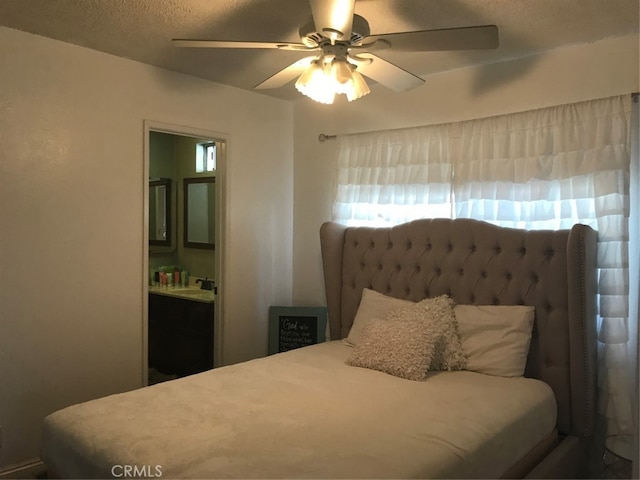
[(333, 18), (178, 42), (464, 38), (286, 74), (387, 74)]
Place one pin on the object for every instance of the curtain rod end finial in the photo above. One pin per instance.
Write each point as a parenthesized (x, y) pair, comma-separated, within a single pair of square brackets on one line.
[(323, 136)]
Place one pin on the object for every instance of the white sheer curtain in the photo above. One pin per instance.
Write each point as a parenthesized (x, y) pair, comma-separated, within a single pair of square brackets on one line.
[(543, 169), (634, 267), (549, 169), (386, 178)]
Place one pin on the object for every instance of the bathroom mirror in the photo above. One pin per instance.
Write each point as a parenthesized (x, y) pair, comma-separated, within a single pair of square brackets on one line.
[(160, 212), (199, 208)]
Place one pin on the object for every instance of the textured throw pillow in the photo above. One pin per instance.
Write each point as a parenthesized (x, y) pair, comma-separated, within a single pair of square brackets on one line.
[(495, 338), (449, 354), (437, 314), (411, 341), (372, 305), (400, 348)]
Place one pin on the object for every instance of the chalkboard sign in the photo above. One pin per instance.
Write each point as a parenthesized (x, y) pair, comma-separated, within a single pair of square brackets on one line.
[(295, 327)]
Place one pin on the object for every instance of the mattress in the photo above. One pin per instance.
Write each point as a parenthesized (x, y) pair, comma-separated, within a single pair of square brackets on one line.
[(304, 414)]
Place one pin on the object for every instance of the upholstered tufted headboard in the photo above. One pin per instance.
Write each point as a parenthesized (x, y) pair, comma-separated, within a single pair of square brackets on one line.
[(478, 263)]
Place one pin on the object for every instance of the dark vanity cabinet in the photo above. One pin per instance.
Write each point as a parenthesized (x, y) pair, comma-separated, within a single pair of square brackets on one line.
[(180, 335)]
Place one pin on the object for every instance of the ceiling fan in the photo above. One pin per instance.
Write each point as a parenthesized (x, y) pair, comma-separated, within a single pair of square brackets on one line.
[(342, 50)]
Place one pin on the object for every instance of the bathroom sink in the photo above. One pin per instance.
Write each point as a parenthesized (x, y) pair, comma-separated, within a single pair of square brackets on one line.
[(190, 291)]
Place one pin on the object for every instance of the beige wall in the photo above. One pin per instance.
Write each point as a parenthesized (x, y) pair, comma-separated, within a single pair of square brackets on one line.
[(71, 221), (570, 74)]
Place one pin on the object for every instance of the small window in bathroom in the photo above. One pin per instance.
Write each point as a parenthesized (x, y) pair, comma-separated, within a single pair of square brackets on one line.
[(206, 157)]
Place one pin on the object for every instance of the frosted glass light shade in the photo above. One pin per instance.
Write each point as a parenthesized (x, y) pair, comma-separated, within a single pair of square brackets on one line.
[(359, 87), (321, 82), (314, 84), (340, 72)]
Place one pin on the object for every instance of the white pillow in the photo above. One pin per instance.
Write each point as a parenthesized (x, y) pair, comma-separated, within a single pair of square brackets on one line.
[(372, 305), (495, 338)]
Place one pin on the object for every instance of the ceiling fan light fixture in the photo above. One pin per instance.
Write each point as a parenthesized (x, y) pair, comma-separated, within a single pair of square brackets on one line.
[(321, 81), (347, 80), (340, 72), (358, 86), (314, 83)]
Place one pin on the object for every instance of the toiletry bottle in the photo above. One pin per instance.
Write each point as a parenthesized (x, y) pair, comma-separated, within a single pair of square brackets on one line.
[(176, 276)]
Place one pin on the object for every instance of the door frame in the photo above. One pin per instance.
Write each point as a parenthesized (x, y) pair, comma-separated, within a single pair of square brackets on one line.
[(219, 234)]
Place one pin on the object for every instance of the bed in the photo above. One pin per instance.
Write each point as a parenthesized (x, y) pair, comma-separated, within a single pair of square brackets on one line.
[(310, 413)]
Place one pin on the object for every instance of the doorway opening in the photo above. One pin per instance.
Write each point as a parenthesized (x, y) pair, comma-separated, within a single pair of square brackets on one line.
[(184, 192)]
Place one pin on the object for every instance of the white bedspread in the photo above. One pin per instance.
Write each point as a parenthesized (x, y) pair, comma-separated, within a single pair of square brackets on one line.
[(304, 413)]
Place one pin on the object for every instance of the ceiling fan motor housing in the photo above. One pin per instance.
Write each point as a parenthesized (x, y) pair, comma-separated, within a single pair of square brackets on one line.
[(312, 38)]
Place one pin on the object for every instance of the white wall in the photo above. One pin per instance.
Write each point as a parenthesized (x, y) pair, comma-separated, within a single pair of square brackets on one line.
[(571, 74), (71, 221)]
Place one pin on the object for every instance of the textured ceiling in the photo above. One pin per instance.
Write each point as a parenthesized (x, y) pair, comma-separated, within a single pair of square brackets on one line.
[(142, 30)]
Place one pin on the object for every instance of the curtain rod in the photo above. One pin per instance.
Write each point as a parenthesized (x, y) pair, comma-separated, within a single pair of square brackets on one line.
[(323, 136)]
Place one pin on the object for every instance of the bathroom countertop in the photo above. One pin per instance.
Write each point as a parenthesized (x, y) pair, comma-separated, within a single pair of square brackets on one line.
[(186, 293)]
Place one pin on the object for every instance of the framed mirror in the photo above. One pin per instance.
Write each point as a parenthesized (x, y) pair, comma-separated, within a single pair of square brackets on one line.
[(199, 212), (160, 212)]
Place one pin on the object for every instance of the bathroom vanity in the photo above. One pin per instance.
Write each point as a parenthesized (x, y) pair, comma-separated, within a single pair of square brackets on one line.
[(180, 330)]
